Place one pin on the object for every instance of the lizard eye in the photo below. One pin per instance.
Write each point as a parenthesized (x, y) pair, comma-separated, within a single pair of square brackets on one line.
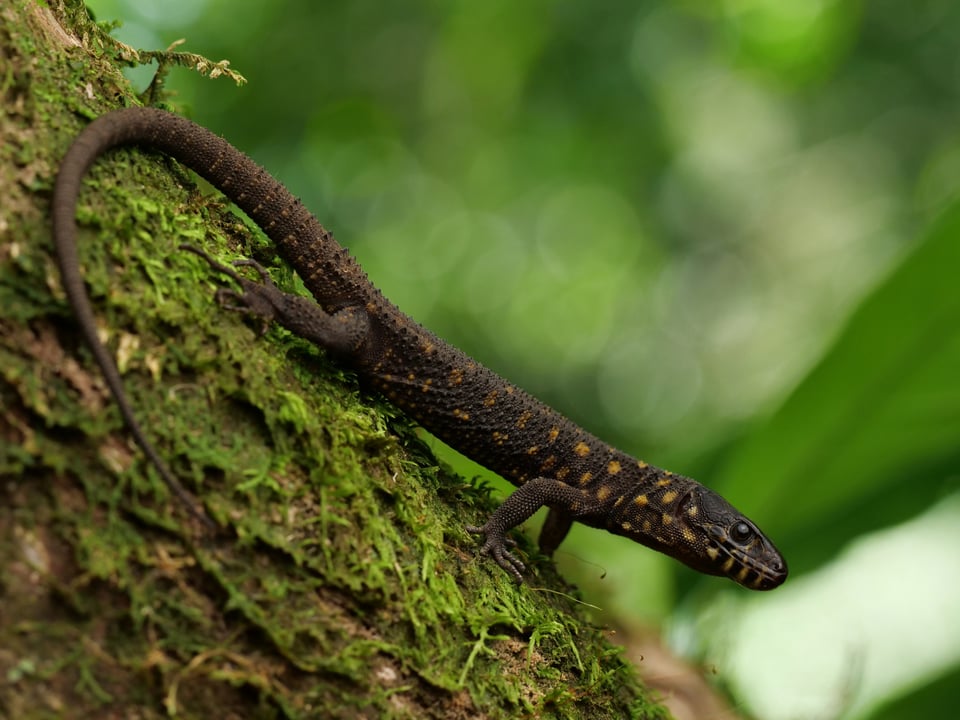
[(740, 533)]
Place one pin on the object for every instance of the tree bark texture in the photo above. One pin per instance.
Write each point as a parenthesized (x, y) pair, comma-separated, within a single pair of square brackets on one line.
[(343, 584)]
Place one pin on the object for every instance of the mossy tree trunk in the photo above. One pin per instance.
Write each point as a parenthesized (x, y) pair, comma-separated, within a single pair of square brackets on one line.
[(343, 583)]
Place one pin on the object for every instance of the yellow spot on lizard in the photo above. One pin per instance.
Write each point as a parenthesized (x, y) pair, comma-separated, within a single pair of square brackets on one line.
[(614, 467), (581, 449)]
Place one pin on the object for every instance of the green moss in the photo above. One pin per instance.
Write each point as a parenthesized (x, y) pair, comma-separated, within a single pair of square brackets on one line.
[(343, 583)]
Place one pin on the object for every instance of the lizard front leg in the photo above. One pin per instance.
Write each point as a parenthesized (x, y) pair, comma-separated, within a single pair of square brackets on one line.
[(566, 503)]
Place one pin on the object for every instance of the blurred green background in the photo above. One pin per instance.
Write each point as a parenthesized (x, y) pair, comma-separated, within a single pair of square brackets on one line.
[(724, 236)]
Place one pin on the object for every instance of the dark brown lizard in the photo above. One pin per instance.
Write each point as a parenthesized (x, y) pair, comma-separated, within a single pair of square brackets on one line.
[(554, 462)]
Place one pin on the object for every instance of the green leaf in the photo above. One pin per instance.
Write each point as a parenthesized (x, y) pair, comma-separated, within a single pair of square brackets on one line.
[(872, 435), (939, 698)]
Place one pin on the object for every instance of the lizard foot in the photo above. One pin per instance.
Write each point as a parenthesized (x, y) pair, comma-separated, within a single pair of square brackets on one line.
[(495, 545), (255, 299)]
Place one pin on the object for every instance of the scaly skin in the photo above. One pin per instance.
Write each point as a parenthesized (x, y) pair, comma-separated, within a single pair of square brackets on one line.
[(553, 461)]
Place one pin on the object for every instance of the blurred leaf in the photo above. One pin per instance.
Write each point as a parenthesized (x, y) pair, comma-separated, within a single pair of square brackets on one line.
[(794, 40), (937, 699), (872, 435)]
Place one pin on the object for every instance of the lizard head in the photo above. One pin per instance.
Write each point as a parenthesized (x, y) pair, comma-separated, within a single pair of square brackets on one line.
[(726, 543), (696, 526)]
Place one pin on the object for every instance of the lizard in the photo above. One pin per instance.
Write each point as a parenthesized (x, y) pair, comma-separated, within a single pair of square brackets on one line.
[(550, 459)]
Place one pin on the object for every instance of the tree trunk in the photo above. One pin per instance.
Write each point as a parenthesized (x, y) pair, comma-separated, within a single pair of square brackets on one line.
[(343, 583)]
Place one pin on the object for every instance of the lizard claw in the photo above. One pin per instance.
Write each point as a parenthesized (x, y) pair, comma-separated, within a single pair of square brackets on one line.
[(261, 270), (495, 546)]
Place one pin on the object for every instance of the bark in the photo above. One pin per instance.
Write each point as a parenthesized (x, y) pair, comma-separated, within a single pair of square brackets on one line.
[(343, 584)]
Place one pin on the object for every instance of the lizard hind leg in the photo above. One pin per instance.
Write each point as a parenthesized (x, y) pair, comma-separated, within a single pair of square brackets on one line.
[(342, 332), (251, 300)]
